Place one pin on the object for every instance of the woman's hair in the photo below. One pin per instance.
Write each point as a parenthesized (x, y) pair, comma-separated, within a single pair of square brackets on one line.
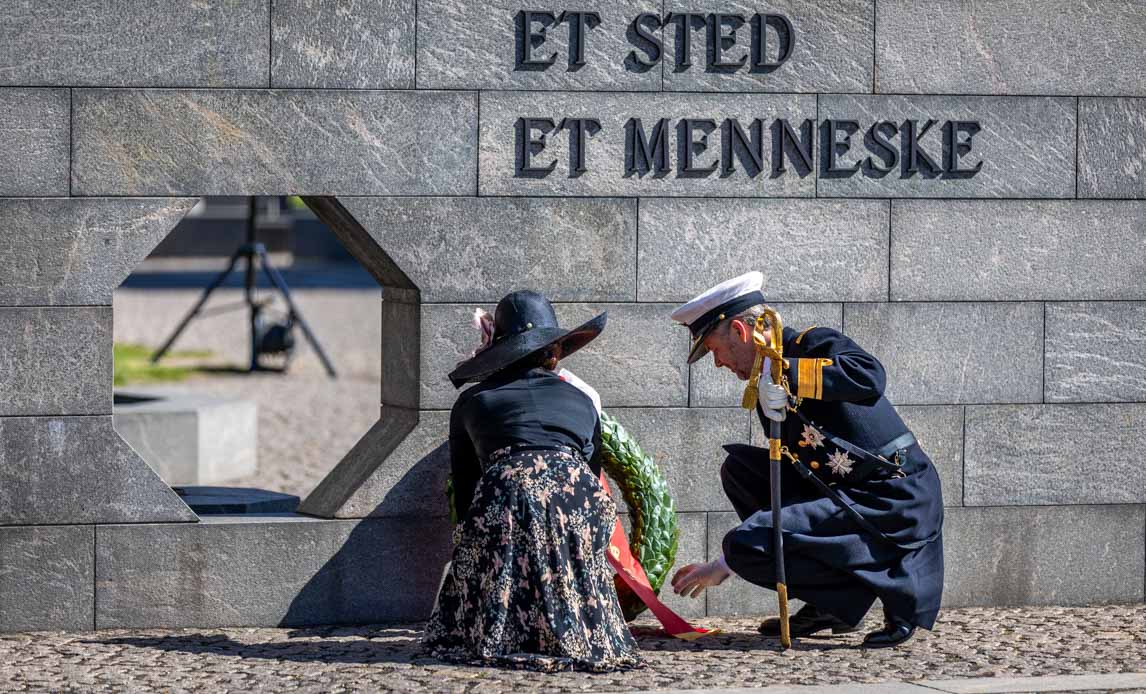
[(546, 358)]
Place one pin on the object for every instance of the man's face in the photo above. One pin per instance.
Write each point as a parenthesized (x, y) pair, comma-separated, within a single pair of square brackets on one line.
[(730, 350)]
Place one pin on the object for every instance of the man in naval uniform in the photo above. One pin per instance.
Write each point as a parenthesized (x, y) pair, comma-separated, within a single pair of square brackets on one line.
[(862, 511)]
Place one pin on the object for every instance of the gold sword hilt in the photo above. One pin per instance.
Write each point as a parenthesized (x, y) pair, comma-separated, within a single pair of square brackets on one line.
[(772, 348)]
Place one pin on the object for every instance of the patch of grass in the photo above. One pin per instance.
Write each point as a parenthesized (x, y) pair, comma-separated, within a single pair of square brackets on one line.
[(133, 365)]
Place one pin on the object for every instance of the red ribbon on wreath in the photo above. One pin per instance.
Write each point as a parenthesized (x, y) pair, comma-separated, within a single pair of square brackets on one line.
[(633, 574)]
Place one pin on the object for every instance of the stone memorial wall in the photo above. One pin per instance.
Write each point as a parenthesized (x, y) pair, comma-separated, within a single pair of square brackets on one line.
[(959, 186)]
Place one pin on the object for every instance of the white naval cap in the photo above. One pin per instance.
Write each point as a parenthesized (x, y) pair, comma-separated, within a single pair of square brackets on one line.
[(706, 310)]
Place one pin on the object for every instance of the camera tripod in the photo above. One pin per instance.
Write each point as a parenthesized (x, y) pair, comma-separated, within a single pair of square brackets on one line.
[(273, 339)]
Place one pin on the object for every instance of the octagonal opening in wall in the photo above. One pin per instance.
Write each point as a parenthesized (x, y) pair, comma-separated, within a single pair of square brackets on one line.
[(247, 352)]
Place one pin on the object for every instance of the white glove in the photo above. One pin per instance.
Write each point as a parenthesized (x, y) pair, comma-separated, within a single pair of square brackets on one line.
[(774, 400), (693, 579)]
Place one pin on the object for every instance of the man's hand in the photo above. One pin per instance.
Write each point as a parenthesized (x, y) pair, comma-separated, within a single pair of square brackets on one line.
[(774, 400), (691, 580)]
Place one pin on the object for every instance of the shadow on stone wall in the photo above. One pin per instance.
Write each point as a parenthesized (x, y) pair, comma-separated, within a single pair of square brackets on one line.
[(389, 567)]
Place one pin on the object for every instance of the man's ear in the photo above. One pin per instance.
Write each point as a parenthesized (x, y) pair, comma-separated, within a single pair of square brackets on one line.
[(741, 329)]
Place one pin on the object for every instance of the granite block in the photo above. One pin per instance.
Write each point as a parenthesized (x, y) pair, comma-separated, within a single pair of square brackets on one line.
[(1064, 555), (360, 44), (263, 142), (360, 244), (737, 596), (401, 352), (34, 147), (939, 431), (808, 250), (930, 359), (956, 250), (1096, 352), (831, 50), (713, 387), (47, 578), (638, 360), (1111, 149), (76, 252), (62, 470), (1009, 47), (139, 43), (686, 445), (398, 469), (479, 45), (609, 151), (1026, 147), (480, 249), (291, 571), (55, 360), (448, 337), (1054, 454)]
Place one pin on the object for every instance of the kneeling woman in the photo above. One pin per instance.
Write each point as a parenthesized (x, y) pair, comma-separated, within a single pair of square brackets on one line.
[(529, 585)]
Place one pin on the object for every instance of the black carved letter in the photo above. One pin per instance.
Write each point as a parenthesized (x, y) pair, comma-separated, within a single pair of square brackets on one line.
[(738, 145), (645, 41), (913, 154), (831, 146), (579, 25), (953, 148), (645, 155), (877, 143), (787, 40), (689, 147), (580, 130), (785, 142), (527, 39), (527, 147), (686, 23), (718, 41)]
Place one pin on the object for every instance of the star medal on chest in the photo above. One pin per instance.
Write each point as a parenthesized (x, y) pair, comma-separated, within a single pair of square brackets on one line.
[(812, 437), (840, 463)]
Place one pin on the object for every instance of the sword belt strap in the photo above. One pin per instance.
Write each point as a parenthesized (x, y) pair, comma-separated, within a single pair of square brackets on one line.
[(850, 510), (896, 444), (869, 462)]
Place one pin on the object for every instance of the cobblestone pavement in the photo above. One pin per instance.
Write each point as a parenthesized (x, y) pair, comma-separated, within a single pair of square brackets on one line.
[(966, 643)]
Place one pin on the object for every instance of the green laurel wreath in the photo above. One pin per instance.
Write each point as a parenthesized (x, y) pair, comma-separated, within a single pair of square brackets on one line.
[(654, 536)]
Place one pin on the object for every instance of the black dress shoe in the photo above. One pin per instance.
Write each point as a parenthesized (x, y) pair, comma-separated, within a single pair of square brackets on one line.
[(893, 633), (806, 622)]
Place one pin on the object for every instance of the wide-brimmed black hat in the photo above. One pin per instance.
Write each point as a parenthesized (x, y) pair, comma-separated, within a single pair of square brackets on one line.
[(523, 324)]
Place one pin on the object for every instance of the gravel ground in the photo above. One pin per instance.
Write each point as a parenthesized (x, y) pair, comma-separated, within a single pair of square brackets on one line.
[(966, 643), (306, 421)]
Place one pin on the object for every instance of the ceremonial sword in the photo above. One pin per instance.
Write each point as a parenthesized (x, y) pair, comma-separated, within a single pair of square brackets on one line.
[(775, 353)]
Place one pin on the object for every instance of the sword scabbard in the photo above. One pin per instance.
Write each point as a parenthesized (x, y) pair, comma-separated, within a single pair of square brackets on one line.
[(785, 629)]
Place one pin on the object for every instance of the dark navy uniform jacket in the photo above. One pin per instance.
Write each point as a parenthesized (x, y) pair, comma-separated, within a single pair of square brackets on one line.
[(831, 562)]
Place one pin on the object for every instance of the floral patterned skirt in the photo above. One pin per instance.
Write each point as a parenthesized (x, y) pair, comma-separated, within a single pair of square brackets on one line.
[(529, 585)]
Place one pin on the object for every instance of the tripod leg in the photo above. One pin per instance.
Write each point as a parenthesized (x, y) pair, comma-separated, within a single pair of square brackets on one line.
[(278, 281), (249, 281), (198, 307)]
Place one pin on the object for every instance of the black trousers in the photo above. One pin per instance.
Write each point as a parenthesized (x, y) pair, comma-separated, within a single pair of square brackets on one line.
[(748, 548)]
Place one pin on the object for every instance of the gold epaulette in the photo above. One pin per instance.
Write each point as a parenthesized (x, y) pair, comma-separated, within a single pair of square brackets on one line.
[(801, 335)]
